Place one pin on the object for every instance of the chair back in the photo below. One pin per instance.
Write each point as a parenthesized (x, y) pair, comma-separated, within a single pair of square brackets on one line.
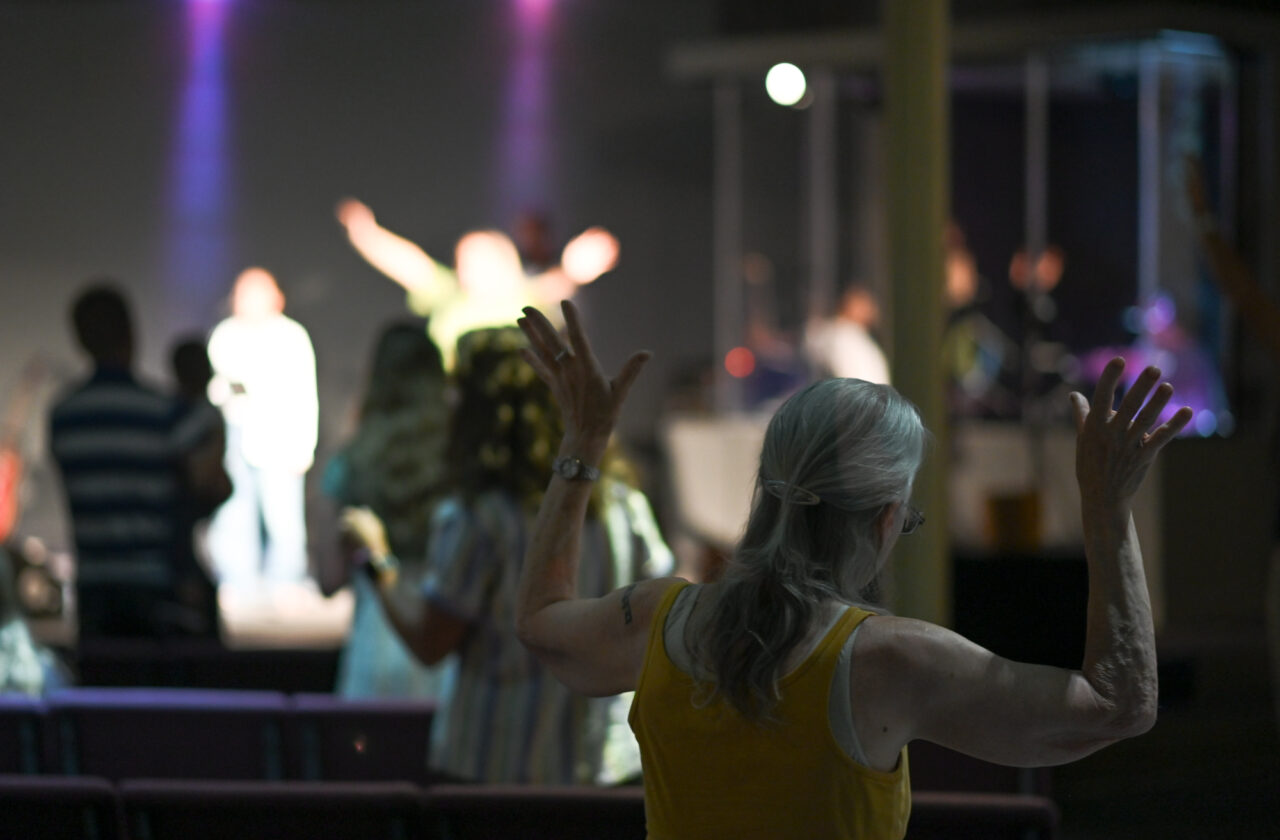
[(170, 733)]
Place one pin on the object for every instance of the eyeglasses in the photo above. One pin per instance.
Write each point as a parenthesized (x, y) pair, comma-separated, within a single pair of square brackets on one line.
[(913, 520)]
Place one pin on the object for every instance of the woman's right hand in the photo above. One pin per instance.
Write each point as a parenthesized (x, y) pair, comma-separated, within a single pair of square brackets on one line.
[(1115, 448), (589, 400)]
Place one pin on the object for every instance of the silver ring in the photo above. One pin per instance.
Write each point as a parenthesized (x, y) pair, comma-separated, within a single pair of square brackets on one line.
[(563, 353)]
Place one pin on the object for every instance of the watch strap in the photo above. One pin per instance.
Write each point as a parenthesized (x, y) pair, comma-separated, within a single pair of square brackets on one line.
[(573, 468)]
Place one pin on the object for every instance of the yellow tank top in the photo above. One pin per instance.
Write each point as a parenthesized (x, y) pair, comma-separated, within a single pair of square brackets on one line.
[(711, 773)]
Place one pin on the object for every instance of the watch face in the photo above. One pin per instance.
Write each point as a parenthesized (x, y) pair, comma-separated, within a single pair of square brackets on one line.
[(567, 467)]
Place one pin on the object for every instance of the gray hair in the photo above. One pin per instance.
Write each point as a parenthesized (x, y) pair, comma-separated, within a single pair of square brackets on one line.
[(834, 455)]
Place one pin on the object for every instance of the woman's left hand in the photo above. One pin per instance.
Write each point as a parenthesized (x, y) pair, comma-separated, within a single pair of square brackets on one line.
[(589, 400), (363, 527)]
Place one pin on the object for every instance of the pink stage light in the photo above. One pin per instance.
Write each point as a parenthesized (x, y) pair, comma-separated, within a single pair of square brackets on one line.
[(740, 362), (534, 12)]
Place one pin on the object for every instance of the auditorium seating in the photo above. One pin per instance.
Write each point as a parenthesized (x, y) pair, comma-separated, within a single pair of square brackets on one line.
[(177, 810), (62, 807), (169, 733), (22, 734), (483, 812), (333, 739), (147, 764)]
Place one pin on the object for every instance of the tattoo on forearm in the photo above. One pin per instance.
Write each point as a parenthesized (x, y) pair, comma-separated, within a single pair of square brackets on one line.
[(626, 603)]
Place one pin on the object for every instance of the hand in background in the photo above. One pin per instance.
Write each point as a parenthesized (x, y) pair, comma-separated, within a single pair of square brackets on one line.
[(353, 213), (365, 530), (589, 254)]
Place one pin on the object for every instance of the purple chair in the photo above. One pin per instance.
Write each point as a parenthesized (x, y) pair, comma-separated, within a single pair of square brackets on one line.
[(170, 733), (203, 810), (945, 815), (485, 812), (332, 739), (22, 734), (61, 807)]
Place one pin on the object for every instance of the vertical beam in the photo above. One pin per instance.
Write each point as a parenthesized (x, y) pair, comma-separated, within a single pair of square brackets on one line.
[(918, 189), (824, 259), (1148, 173), (1036, 239), (730, 310)]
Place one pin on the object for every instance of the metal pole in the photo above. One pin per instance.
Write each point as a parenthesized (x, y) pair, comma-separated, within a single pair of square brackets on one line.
[(824, 252), (727, 234), (918, 192)]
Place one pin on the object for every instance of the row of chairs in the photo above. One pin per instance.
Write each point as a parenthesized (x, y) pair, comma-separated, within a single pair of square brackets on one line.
[(119, 733), (95, 809)]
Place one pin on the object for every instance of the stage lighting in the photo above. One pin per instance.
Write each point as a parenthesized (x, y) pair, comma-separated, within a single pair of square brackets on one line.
[(740, 362), (785, 84)]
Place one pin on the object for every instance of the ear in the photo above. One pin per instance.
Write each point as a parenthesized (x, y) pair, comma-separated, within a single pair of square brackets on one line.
[(887, 521)]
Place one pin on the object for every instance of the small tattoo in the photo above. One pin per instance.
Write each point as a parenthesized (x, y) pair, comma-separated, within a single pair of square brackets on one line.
[(626, 603)]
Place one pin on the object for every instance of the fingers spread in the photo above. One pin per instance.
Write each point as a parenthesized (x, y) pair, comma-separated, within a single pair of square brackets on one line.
[(1168, 431), (538, 367), (1079, 409), (1105, 393), (573, 326), (1151, 411), (630, 370), (1137, 395), (541, 334)]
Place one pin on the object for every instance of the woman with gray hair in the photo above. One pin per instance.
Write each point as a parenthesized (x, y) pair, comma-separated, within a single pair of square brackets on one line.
[(774, 703)]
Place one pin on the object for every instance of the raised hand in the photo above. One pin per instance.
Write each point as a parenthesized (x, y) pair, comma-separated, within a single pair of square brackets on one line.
[(363, 528), (1115, 448), (589, 400), (353, 213), (589, 254)]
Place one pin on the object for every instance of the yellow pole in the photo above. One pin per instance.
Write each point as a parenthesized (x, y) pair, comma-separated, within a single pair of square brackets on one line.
[(918, 191)]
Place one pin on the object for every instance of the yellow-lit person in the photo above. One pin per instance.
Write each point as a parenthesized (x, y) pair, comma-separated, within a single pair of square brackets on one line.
[(487, 287)]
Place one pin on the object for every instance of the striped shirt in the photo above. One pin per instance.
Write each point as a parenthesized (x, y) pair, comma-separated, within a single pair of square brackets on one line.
[(115, 443), (509, 719)]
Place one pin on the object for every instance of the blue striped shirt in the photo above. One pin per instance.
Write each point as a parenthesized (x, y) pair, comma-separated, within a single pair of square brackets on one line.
[(509, 719), (115, 443)]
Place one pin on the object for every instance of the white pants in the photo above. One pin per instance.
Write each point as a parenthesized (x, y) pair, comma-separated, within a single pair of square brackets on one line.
[(260, 532)]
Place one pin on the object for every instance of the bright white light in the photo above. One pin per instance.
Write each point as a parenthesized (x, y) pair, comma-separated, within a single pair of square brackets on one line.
[(785, 84)]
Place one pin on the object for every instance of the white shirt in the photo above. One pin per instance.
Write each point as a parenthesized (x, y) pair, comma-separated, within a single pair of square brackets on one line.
[(845, 350), (277, 414)]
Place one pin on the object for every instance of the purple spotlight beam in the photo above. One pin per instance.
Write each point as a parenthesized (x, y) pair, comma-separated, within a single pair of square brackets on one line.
[(197, 204)]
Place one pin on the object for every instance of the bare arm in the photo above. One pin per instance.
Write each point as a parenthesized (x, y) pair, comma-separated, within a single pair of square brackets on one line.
[(393, 255), (593, 645), (945, 689), (431, 634)]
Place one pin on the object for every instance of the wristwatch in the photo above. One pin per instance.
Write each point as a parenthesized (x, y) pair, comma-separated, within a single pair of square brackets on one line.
[(572, 469)]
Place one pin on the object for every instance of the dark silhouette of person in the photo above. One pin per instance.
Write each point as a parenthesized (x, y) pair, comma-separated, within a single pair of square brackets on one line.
[(115, 442)]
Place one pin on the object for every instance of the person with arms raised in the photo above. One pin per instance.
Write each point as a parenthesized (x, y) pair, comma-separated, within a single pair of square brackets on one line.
[(778, 685)]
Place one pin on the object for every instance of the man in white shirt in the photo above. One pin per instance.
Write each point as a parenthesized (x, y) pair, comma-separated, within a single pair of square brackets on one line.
[(265, 382), (843, 347)]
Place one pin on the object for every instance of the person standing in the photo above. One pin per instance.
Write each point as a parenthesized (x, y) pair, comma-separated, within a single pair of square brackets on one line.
[(114, 441), (488, 285), (265, 383)]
